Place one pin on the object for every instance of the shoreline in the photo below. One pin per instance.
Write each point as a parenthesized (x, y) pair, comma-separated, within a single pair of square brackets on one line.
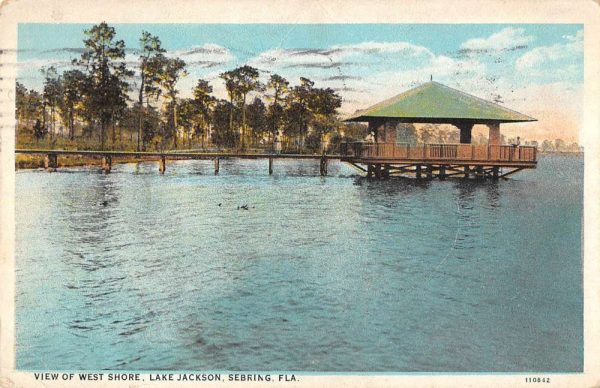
[(32, 162)]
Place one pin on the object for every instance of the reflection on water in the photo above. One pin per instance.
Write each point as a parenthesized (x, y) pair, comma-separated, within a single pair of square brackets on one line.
[(134, 270)]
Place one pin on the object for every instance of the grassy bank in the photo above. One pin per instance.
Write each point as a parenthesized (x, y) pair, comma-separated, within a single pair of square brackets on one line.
[(25, 140)]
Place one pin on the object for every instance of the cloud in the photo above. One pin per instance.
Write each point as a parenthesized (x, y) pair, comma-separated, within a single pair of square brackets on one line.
[(341, 78), (571, 51), (347, 89), (321, 65), (206, 56), (464, 74), (196, 58), (361, 54), (67, 50), (208, 49), (507, 39), (557, 106), (404, 48), (36, 65)]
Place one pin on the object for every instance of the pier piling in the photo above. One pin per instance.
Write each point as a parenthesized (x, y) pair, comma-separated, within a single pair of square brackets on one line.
[(162, 165), (51, 162), (106, 164), (323, 165), (270, 166), (442, 174), (216, 166)]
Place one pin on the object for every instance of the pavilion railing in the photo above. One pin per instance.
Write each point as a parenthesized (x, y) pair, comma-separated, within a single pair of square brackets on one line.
[(442, 152)]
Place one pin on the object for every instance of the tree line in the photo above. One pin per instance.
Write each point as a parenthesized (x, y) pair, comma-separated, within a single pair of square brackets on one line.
[(104, 101)]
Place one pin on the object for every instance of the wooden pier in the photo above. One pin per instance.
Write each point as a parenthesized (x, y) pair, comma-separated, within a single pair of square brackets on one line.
[(376, 160), (382, 160), (51, 157)]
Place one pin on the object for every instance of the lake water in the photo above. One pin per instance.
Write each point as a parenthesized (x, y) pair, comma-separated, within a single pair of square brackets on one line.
[(138, 271)]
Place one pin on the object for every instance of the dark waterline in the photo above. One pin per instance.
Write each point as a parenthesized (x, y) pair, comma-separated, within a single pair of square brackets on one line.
[(138, 271)]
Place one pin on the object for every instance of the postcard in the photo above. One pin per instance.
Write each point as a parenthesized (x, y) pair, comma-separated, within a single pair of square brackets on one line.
[(299, 194)]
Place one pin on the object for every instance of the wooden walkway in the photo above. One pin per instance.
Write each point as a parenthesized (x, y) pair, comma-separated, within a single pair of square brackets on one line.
[(51, 157)]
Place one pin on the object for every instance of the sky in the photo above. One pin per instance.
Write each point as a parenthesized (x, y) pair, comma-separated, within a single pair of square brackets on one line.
[(536, 69)]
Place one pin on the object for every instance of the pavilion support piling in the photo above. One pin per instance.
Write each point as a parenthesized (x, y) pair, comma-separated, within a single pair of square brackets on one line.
[(467, 172), (495, 174), (442, 174), (378, 170), (106, 164), (162, 165), (216, 166), (370, 170), (479, 172), (429, 171), (270, 166), (418, 171), (386, 171), (51, 162)]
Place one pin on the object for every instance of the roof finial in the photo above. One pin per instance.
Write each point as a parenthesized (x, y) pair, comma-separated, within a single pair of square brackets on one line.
[(431, 77)]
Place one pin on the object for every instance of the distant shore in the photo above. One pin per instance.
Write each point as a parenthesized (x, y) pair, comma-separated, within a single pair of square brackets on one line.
[(560, 153)]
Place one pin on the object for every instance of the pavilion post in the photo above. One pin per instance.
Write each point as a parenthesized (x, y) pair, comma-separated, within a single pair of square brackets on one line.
[(389, 131), (494, 134), (465, 132), (378, 129)]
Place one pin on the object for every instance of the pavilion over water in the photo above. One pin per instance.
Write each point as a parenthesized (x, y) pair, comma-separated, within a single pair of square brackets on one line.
[(436, 103)]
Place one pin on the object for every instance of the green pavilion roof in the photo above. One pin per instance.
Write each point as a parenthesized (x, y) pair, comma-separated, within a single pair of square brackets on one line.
[(437, 103)]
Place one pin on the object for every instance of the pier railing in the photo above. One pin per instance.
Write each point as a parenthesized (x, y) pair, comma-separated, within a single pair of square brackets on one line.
[(451, 152)]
